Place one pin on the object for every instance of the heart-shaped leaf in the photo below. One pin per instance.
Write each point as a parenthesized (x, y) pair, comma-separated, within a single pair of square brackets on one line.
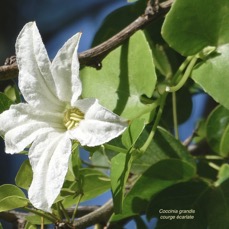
[(192, 25), (128, 73)]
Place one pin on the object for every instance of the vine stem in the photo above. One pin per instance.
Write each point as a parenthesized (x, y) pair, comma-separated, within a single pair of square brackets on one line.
[(181, 69), (188, 64), (214, 166), (76, 208), (49, 216), (185, 76), (158, 117), (94, 166), (42, 222), (64, 212), (115, 148), (175, 121)]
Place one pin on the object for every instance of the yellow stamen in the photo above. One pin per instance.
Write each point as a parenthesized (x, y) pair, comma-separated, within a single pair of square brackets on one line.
[(72, 118)]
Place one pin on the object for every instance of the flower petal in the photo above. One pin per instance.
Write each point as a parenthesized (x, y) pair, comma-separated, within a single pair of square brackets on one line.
[(35, 79), (21, 124), (49, 156), (99, 125), (65, 70)]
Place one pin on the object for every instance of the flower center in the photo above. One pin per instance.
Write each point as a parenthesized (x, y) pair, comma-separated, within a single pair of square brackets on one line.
[(72, 117)]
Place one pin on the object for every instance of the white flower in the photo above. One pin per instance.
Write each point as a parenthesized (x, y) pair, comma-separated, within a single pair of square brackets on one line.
[(53, 115)]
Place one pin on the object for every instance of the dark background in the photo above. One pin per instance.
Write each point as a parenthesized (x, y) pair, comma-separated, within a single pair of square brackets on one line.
[(57, 21)]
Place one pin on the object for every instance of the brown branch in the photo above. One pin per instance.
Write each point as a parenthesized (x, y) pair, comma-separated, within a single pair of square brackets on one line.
[(99, 216), (16, 218), (89, 215), (94, 56), (19, 218), (8, 71)]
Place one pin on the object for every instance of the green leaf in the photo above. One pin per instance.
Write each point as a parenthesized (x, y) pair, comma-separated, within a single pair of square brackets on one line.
[(132, 133), (200, 131), (166, 59), (36, 219), (212, 75), (183, 196), (24, 176), (205, 171), (207, 205), (11, 197), (122, 17), (30, 226), (216, 205), (10, 190), (223, 174), (163, 146), (93, 183), (192, 25), (119, 19), (1, 226), (120, 168), (224, 146), (100, 159), (127, 74), (216, 125), (5, 102), (10, 93), (75, 162), (159, 176), (161, 60)]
